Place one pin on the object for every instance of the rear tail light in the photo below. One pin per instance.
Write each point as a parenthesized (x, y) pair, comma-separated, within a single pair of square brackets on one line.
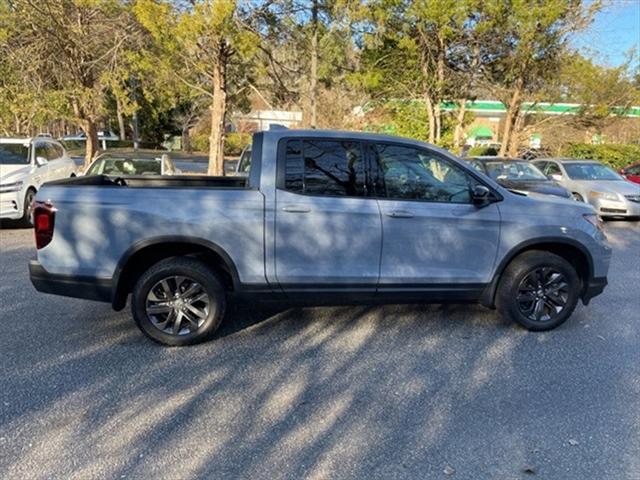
[(44, 215)]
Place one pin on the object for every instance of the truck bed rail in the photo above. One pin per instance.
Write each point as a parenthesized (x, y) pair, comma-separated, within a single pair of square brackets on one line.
[(149, 181)]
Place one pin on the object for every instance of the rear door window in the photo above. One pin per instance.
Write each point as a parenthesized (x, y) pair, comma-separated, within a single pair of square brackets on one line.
[(332, 168)]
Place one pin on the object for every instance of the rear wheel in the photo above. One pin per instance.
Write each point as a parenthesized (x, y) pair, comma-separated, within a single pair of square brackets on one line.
[(27, 208), (178, 301), (539, 290)]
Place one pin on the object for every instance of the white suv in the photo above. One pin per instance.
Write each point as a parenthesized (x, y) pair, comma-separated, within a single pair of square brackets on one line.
[(25, 164)]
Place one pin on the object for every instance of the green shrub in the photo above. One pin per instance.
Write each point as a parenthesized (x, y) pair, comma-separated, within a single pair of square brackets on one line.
[(199, 142), (615, 155), (234, 143), (482, 150), (403, 118)]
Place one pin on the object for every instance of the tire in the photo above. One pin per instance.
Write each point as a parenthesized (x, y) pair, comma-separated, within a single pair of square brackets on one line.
[(519, 296), (160, 297), (577, 197), (27, 207)]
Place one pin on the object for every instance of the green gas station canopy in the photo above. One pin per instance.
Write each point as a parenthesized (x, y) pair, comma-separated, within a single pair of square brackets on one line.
[(481, 132), (543, 108)]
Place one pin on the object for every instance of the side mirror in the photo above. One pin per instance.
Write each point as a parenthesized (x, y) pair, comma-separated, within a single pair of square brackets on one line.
[(41, 161), (480, 196), (555, 177)]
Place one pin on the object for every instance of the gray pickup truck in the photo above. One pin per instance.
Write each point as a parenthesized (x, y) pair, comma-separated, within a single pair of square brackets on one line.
[(323, 217)]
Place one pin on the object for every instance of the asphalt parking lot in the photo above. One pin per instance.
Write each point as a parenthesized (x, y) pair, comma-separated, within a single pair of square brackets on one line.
[(349, 392)]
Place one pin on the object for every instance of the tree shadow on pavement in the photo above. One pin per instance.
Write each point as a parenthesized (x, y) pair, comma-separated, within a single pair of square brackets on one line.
[(396, 391)]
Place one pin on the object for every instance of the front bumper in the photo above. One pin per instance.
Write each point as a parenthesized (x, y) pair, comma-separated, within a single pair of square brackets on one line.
[(594, 288), (90, 288), (609, 208), (11, 205)]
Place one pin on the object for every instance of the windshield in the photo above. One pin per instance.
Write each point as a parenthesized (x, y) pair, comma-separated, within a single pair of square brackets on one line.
[(590, 171), (14, 154), (510, 170), (125, 166)]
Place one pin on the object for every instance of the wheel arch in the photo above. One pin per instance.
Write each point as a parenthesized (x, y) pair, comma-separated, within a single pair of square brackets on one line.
[(142, 255), (30, 188), (569, 249)]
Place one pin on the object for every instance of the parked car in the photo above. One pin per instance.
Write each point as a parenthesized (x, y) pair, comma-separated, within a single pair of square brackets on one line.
[(132, 163), (25, 164), (529, 153), (631, 173), (77, 142), (592, 182), (306, 227), (518, 175), (102, 135)]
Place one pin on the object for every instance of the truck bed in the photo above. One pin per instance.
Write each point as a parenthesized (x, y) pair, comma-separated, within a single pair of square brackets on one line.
[(148, 181)]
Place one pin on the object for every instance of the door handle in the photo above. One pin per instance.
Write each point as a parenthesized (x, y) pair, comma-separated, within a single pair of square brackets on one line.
[(399, 214), (296, 209)]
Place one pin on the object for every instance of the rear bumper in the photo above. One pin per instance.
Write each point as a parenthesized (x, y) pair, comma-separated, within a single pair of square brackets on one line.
[(90, 288), (594, 288)]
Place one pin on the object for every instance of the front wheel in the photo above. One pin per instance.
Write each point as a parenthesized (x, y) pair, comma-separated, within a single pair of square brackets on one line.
[(577, 197), (538, 290), (178, 301), (27, 208)]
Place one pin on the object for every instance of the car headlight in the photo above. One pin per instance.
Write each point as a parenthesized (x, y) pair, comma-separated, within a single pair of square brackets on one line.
[(11, 187), (605, 195)]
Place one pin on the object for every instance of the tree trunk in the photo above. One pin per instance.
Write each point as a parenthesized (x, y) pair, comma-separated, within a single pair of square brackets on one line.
[(121, 130), (218, 110), (437, 110), (313, 88), (431, 118), (91, 131), (437, 115), (510, 119), (88, 124), (186, 139), (515, 135), (458, 131)]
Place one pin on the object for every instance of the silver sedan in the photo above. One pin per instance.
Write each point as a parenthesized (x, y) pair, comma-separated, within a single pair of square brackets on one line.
[(592, 182)]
